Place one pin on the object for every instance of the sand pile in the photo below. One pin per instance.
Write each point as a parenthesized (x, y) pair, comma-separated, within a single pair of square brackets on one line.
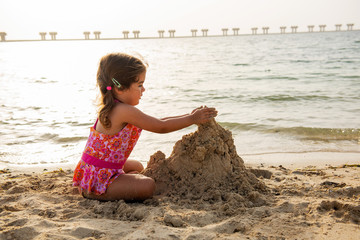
[(204, 167)]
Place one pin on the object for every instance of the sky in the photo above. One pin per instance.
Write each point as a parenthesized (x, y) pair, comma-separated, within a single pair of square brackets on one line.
[(24, 19)]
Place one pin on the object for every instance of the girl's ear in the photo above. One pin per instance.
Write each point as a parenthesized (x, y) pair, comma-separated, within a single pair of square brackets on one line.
[(118, 90)]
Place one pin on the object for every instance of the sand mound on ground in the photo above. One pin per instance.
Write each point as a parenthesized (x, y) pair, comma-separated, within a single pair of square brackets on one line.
[(205, 167)]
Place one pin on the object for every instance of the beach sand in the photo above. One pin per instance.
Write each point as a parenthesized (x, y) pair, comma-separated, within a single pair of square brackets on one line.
[(230, 201)]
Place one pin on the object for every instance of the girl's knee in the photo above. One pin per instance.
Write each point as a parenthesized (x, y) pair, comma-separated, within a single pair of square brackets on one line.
[(148, 186), (138, 166), (131, 187), (133, 166)]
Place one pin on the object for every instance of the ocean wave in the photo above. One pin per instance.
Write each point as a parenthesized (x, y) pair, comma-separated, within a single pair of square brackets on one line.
[(19, 142), (301, 61), (44, 80), (69, 139), (311, 97), (288, 98), (240, 77), (322, 134), (282, 78), (241, 64), (351, 77), (78, 124), (48, 136), (57, 139), (305, 133), (233, 126)]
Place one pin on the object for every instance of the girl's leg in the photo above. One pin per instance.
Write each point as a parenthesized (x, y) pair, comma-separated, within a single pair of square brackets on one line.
[(129, 187), (133, 166)]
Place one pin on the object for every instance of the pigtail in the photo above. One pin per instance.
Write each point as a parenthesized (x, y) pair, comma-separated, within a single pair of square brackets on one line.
[(108, 103)]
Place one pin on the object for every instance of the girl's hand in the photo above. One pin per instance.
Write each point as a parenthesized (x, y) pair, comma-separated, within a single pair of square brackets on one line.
[(203, 114), (201, 107)]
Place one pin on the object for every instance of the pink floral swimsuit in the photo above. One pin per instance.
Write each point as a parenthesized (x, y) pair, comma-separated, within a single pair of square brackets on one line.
[(103, 158)]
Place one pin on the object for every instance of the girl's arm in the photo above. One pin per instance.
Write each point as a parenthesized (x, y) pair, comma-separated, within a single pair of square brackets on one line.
[(129, 114), (166, 118)]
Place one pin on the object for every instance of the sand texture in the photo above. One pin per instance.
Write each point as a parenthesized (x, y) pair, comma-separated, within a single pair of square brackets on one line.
[(204, 191), (204, 168)]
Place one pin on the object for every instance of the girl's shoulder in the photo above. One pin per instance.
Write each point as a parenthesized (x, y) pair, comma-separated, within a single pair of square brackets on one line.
[(118, 119), (123, 108), (122, 112)]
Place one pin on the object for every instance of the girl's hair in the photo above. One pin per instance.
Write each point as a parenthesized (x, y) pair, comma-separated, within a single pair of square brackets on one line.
[(125, 69)]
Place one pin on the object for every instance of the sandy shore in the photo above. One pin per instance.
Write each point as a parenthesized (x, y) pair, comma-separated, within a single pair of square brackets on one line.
[(304, 203), (203, 191)]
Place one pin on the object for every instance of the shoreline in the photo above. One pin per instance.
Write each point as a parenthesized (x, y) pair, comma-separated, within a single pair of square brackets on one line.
[(288, 160), (298, 160)]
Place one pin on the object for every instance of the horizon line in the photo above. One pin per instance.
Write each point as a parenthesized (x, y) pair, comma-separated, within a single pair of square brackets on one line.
[(170, 37)]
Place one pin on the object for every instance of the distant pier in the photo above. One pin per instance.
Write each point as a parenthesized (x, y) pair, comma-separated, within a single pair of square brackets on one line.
[(161, 33), (42, 35), (136, 34), (126, 34), (97, 34), (53, 35), (87, 35), (204, 31), (2, 36), (236, 31), (283, 29), (322, 28), (294, 29), (172, 33), (265, 30), (224, 30)]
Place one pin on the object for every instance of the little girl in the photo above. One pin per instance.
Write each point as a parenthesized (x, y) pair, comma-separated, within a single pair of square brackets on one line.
[(104, 171)]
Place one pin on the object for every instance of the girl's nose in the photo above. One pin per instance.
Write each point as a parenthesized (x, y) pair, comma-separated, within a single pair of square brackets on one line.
[(143, 89)]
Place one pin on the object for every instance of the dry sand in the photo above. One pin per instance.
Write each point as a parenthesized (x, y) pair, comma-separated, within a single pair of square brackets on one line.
[(204, 191)]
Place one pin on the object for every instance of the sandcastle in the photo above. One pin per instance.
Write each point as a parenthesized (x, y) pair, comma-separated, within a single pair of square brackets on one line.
[(205, 167)]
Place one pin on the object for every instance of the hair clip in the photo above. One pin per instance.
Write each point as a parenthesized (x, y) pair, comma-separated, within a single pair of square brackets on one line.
[(108, 88), (117, 84)]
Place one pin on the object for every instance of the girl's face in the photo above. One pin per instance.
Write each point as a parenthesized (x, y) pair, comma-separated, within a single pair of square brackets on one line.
[(133, 95)]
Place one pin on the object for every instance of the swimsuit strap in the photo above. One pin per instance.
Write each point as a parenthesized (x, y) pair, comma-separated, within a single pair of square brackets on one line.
[(96, 123)]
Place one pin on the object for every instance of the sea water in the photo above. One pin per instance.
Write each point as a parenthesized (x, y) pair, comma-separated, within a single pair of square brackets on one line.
[(285, 93)]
